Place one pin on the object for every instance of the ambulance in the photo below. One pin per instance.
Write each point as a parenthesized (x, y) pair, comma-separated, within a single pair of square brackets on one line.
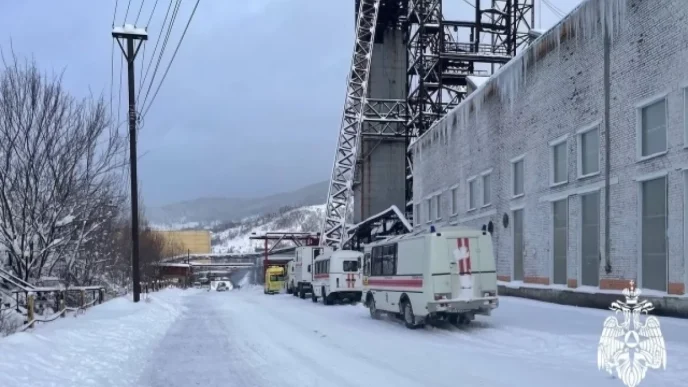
[(446, 274), (337, 277), (274, 279), (301, 283)]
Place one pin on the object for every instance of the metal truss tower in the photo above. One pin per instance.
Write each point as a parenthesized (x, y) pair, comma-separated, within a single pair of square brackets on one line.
[(339, 196), (442, 54)]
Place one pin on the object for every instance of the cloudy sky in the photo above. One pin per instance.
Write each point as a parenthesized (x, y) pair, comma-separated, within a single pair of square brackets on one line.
[(253, 101)]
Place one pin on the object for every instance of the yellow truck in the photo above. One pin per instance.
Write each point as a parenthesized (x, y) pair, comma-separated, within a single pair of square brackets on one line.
[(274, 280)]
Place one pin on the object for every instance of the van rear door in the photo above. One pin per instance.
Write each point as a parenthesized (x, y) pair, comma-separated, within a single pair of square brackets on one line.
[(465, 258)]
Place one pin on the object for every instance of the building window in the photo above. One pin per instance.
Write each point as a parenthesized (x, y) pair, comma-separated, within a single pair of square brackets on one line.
[(589, 152), (560, 240), (436, 205), (416, 214), (560, 162), (518, 245), (472, 194), (455, 200), (654, 235), (653, 133), (428, 210), (517, 177), (487, 189), (590, 239), (685, 117)]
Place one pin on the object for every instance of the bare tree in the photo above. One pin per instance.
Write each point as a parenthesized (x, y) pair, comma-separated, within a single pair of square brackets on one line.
[(58, 156)]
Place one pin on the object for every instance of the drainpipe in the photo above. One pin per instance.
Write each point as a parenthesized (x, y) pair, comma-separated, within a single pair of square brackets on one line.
[(607, 150)]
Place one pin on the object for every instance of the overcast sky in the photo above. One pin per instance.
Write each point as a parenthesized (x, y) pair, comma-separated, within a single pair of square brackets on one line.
[(253, 101)]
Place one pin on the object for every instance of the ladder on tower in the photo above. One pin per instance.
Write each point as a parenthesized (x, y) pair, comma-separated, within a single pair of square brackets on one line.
[(340, 193)]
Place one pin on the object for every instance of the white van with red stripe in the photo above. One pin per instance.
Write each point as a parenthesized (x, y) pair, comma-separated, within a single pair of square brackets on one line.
[(337, 277), (301, 283), (446, 274)]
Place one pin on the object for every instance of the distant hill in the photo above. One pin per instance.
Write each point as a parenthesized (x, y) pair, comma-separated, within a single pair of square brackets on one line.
[(209, 212), (234, 238)]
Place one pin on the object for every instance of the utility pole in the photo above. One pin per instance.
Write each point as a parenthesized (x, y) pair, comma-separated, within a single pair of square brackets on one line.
[(130, 34)]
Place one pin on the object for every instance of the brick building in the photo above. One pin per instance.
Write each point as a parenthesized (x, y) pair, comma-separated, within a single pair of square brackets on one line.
[(527, 151)]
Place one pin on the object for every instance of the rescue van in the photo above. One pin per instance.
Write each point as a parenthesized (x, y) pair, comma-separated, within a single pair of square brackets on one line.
[(303, 270), (274, 279), (447, 274), (337, 277)]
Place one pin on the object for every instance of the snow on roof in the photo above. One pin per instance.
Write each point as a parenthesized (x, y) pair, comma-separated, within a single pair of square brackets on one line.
[(584, 21), (129, 29), (477, 80)]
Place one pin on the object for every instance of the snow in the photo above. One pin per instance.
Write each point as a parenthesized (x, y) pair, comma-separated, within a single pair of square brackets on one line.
[(245, 338), (237, 239), (245, 281), (130, 29), (64, 221), (105, 346)]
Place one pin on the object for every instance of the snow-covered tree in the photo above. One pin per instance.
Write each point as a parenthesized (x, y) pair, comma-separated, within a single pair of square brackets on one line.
[(59, 160)]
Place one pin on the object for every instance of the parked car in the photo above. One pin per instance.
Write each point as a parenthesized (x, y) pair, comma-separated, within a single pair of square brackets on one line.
[(222, 287)]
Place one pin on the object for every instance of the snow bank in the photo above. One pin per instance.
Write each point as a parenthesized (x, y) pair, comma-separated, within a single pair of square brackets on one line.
[(106, 346), (245, 281)]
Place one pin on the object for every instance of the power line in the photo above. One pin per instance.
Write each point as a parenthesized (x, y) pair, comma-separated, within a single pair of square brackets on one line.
[(553, 8), (139, 14), (127, 13), (114, 14), (112, 75), (119, 97), (162, 50), (173, 56), (156, 46), (152, 12)]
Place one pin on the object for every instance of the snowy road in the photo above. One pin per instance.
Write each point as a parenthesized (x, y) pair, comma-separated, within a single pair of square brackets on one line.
[(248, 339)]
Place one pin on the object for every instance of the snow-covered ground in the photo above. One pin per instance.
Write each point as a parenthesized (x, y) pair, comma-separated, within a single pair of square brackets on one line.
[(247, 339), (236, 239), (105, 346)]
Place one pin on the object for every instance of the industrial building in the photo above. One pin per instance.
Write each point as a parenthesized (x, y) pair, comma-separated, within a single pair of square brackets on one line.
[(186, 241), (594, 109)]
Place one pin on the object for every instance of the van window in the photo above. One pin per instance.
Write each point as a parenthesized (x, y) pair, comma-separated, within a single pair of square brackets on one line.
[(384, 260), (350, 266), (316, 253), (366, 264)]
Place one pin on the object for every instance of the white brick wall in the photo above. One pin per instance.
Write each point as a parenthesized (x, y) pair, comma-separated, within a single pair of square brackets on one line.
[(564, 93)]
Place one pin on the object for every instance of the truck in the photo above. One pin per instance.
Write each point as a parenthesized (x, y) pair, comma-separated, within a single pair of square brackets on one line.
[(302, 282), (447, 274), (274, 280), (337, 277), (290, 277)]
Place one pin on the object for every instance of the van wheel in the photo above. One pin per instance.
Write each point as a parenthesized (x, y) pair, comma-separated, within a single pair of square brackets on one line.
[(302, 293), (294, 291), (408, 316), (314, 298), (374, 313)]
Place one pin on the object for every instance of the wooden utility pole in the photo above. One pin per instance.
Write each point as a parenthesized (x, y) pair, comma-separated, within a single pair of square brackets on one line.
[(129, 33)]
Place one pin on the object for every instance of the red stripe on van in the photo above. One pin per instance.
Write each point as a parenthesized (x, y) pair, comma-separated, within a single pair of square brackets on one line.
[(321, 276), (406, 282)]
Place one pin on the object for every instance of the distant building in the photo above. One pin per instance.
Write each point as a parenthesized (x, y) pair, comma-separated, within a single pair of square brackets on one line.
[(186, 241)]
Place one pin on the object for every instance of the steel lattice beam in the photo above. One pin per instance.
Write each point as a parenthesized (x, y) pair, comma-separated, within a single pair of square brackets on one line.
[(340, 191)]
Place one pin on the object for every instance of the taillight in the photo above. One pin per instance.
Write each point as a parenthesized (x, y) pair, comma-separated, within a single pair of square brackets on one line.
[(442, 296)]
